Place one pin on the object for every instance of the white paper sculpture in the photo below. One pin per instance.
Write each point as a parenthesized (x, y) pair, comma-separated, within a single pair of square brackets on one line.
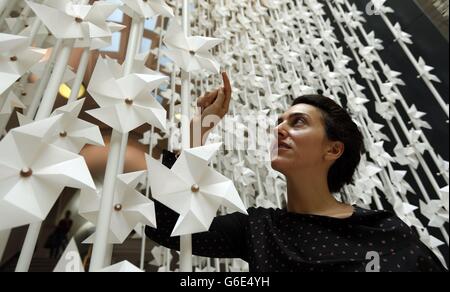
[(194, 190), (130, 208), (126, 102), (34, 173)]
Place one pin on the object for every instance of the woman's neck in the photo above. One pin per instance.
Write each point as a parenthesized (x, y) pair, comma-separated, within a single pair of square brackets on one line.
[(310, 194)]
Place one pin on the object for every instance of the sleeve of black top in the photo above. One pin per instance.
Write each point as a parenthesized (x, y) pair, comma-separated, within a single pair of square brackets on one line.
[(226, 238)]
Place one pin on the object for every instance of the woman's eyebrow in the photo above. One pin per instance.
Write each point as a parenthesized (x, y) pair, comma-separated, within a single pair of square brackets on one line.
[(293, 115)]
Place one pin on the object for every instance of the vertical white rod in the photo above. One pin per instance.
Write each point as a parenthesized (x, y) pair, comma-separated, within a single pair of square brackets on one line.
[(104, 218), (4, 236), (81, 71), (34, 31), (147, 194), (186, 240), (32, 109), (49, 98), (23, 265)]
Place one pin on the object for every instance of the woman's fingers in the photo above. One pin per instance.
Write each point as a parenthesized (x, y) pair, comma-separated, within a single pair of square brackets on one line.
[(220, 99), (228, 92), (226, 84), (208, 99), (219, 103)]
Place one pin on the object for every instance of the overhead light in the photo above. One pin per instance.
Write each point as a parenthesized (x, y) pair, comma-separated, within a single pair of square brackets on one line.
[(65, 91)]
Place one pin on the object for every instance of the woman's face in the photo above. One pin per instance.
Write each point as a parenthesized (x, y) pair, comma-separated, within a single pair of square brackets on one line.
[(301, 142)]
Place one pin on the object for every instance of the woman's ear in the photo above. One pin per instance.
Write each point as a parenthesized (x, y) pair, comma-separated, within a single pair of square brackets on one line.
[(334, 151)]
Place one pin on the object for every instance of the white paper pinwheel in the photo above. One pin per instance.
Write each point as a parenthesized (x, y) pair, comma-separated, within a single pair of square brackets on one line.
[(34, 173), (435, 212), (130, 208), (72, 133), (385, 110), (147, 8), (70, 261), (67, 20), (432, 242), (368, 176), (425, 71), (388, 92), (158, 253), (416, 118), (43, 36), (122, 267), (126, 102), (100, 42), (15, 59), (401, 35), (193, 189), (190, 53), (11, 102), (374, 42), (444, 197), (393, 76), (399, 183), (404, 211), (406, 156), (376, 131), (153, 139)]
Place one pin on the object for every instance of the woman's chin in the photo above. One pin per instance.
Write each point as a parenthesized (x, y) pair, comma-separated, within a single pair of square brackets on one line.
[(279, 163)]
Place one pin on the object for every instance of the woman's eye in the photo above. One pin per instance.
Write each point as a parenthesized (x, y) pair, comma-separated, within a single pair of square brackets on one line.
[(299, 121)]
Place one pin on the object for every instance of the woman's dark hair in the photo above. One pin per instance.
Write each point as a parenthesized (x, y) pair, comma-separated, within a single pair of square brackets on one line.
[(339, 126)]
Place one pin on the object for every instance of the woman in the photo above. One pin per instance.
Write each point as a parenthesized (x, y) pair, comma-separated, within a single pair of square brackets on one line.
[(318, 150)]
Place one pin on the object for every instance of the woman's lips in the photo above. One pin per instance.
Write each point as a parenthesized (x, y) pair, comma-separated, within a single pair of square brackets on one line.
[(284, 146)]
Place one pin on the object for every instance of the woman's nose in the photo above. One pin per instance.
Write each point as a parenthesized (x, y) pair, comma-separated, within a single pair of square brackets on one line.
[(280, 131)]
